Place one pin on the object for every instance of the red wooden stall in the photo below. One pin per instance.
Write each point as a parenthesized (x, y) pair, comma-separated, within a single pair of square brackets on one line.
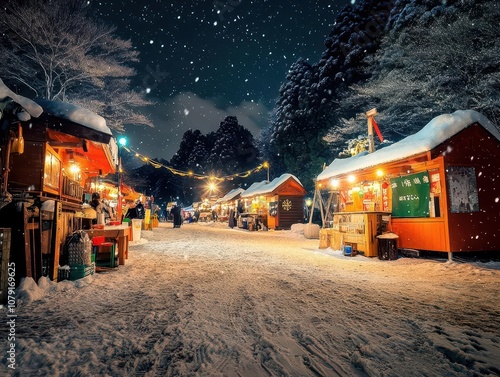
[(438, 188)]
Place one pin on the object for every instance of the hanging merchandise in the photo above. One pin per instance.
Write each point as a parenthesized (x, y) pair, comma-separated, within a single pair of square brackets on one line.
[(18, 142)]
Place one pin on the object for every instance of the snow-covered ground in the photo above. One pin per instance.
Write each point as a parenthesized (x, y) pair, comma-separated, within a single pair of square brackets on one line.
[(206, 300)]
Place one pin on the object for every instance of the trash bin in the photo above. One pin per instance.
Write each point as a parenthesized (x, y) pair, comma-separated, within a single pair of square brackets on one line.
[(136, 229), (387, 246), (347, 250)]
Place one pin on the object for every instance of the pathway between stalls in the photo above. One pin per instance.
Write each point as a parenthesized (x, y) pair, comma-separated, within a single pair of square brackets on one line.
[(205, 300)]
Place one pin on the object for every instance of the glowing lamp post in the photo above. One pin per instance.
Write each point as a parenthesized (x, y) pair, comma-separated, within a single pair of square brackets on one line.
[(266, 166), (122, 141)]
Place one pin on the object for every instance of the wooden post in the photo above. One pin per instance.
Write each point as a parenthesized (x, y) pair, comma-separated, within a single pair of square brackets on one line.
[(4, 275), (328, 205), (312, 206), (6, 164), (371, 143), (29, 228), (55, 247)]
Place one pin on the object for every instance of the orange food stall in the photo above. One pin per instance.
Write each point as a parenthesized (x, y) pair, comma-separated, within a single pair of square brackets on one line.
[(63, 147), (436, 189)]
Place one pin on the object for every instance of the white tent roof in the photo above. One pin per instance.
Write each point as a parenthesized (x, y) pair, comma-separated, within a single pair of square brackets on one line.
[(265, 187), (437, 131)]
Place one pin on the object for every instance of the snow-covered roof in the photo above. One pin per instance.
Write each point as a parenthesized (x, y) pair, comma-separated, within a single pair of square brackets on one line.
[(76, 114), (437, 131), (265, 187), (30, 106), (230, 195)]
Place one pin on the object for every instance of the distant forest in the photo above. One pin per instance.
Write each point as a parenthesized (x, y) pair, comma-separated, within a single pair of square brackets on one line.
[(410, 59)]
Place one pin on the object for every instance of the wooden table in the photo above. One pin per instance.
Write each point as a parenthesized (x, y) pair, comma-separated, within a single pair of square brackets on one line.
[(120, 233)]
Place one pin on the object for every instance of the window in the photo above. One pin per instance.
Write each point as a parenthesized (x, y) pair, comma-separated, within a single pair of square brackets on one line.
[(52, 170)]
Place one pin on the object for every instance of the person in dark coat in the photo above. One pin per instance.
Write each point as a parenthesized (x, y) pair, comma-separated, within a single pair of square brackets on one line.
[(141, 212), (176, 212), (231, 220)]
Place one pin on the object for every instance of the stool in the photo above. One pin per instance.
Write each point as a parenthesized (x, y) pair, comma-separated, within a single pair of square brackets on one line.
[(101, 249)]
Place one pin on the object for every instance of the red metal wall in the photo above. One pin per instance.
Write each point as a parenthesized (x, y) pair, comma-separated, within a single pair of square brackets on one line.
[(475, 147)]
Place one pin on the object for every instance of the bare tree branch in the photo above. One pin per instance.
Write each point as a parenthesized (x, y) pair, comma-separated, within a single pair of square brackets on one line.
[(57, 51)]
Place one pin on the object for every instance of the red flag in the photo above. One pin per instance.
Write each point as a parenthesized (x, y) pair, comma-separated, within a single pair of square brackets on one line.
[(377, 130)]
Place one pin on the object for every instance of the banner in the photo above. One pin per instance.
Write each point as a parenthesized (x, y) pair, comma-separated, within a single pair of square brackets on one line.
[(411, 195)]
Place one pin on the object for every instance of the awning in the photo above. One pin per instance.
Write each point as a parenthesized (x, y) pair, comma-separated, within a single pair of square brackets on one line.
[(93, 158)]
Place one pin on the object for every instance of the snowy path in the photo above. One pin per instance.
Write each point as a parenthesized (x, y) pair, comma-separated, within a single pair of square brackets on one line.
[(204, 300)]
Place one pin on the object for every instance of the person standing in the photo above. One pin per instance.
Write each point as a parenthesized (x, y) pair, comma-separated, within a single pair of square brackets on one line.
[(99, 207), (176, 212), (231, 220)]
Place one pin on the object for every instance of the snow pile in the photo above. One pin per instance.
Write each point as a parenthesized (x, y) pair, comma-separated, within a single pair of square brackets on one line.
[(30, 106), (76, 114), (28, 291)]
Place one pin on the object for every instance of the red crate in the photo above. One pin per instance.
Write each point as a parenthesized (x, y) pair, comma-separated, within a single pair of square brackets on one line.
[(97, 240)]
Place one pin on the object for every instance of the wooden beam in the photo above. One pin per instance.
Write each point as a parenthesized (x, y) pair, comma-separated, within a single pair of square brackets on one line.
[(65, 145), (28, 229), (55, 247), (5, 237)]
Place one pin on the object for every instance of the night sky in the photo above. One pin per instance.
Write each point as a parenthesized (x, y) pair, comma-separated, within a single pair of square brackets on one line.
[(203, 60)]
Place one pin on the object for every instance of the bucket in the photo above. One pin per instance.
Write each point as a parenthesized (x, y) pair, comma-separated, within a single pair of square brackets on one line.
[(136, 229), (347, 250)]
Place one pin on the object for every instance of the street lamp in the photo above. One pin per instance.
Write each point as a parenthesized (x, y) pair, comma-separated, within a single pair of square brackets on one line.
[(122, 142), (266, 166)]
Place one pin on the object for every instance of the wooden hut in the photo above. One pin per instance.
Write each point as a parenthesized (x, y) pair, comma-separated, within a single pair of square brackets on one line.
[(277, 204), (63, 148), (437, 190), (228, 203)]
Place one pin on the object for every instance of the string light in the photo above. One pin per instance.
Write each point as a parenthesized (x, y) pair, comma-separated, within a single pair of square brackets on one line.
[(191, 174)]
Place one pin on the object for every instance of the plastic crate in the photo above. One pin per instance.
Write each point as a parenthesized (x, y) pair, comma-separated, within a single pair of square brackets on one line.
[(63, 273), (97, 240), (79, 271)]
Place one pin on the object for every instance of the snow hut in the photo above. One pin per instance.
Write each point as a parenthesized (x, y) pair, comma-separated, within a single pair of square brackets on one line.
[(279, 203), (437, 189), (49, 162)]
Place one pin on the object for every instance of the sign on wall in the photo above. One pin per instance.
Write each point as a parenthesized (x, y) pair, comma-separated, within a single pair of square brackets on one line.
[(462, 188), (410, 195), (273, 209)]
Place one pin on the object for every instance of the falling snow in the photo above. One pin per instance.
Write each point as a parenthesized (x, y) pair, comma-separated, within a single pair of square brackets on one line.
[(222, 42)]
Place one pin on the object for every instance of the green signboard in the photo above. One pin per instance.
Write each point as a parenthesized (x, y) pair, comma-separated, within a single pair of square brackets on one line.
[(410, 195)]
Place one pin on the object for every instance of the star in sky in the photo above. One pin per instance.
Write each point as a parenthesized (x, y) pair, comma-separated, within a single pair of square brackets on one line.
[(214, 58)]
